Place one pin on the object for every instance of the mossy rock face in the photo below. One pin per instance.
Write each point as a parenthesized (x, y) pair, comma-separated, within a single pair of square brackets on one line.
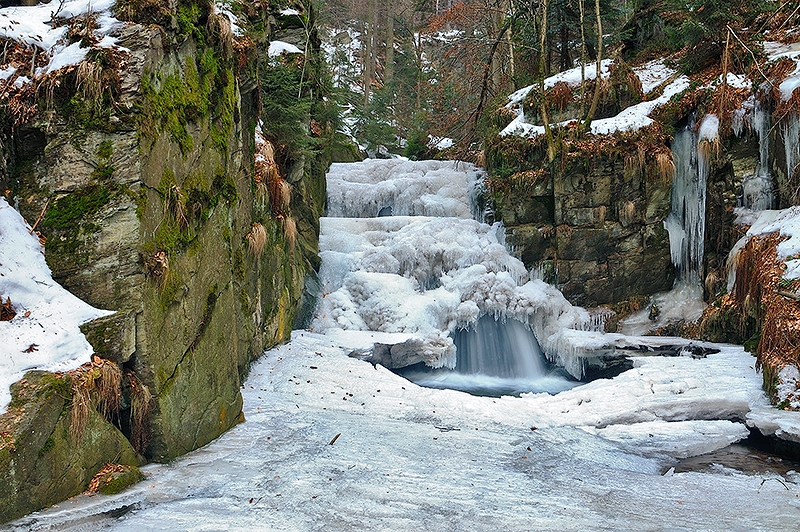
[(148, 215), (112, 337), (120, 478), (40, 462)]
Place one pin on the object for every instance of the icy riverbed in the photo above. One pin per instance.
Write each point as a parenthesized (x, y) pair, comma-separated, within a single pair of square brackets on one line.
[(412, 458)]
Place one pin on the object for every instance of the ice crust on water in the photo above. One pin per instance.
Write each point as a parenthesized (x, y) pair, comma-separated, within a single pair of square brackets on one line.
[(410, 458), (54, 316)]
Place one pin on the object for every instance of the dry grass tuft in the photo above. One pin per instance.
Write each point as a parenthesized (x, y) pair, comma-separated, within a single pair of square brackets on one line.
[(636, 162), (284, 198), (257, 239), (665, 165), (710, 149), (107, 387), (289, 227), (95, 385), (175, 205), (713, 283), (141, 406), (89, 76), (627, 212), (79, 410)]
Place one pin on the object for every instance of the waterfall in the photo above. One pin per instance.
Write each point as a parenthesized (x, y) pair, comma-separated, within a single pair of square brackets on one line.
[(405, 259)]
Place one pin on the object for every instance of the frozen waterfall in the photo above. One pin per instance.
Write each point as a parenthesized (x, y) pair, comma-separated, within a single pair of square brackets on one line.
[(433, 274), (687, 218)]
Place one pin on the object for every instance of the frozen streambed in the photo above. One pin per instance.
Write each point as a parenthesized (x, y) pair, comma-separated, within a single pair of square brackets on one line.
[(335, 443), (412, 458)]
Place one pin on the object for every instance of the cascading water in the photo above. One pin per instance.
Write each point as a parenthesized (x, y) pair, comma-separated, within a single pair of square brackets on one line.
[(431, 273)]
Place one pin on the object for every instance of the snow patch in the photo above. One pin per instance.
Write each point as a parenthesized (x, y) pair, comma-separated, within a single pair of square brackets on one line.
[(45, 334), (276, 48)]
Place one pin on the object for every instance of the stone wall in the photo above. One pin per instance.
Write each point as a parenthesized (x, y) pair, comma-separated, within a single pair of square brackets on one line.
[(594, 225)]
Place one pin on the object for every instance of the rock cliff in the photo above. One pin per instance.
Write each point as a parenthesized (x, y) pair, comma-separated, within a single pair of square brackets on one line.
[(141, 164)]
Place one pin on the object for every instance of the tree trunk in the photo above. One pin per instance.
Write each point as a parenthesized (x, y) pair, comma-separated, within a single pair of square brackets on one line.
[(598, 80), (388, 75), (369, 49), (551, 149), (583, 57)]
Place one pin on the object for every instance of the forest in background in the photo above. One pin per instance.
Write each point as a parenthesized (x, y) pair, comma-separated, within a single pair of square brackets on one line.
[(413, 72)]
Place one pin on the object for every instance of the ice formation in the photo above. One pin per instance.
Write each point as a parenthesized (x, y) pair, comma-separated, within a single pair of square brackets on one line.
[(336, 443), (791, 143), (685, 225), (758, 192), (686, 220), (426, 276)]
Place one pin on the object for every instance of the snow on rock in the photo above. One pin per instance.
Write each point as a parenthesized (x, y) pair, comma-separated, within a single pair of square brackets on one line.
[(632, 118), (636, 116), (777, 51), (787, 222), (223, 7), (45, 333), (42, 26), (653, 74), (276, 48), (709, 129)]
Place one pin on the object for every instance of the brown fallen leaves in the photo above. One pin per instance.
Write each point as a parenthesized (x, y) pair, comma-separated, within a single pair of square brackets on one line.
[(7, 311)]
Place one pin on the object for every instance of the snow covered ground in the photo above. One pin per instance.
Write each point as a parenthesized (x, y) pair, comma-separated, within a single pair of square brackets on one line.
[(411, 458), (45, 334)]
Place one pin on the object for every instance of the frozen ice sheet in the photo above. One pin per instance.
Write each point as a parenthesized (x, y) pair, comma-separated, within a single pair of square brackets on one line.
[(411, 458)]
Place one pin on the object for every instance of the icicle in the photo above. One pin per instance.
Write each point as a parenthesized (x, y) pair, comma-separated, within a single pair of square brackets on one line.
[(758, 192), (686, 220), (791, 143)]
